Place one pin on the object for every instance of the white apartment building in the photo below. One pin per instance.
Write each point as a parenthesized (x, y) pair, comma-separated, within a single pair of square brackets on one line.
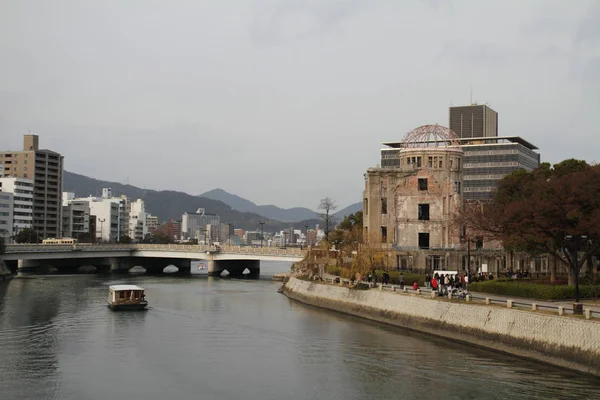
[(138, 227), (106, 212), (22, 207), (151, 222), (6, 216)]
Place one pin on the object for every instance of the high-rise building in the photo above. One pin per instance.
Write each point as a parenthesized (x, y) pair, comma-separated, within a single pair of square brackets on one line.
[(22, 191), (476, 120), (45, 168), (487, 160), (193, 224), (6, 216)]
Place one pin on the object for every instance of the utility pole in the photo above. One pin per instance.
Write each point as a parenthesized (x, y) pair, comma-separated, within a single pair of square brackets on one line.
[(306, 235), (262, 224)]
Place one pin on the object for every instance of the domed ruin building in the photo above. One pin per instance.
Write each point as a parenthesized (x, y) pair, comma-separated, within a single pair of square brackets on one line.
[(410, 202)]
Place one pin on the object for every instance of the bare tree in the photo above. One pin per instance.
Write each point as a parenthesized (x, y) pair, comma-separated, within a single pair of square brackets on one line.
[(328, 206)]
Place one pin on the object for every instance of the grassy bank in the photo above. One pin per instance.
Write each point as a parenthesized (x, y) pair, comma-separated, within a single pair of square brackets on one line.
[(535, 290)]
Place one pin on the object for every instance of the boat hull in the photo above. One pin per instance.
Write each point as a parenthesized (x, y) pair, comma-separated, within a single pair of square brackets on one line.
[(128, 307)]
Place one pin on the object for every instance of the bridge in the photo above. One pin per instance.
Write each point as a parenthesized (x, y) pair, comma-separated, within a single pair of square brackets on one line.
[(153, 257)]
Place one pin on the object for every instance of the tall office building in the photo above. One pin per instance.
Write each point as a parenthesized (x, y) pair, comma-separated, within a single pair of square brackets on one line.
[(474, 121), (45, 168)]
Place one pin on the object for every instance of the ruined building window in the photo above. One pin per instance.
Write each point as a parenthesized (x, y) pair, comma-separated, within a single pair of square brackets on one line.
[(422, 183), (479, 243), (366, 206), (430, 162), (383, 234), (384, 205), (456, 187), (423, 240), (423, 212)]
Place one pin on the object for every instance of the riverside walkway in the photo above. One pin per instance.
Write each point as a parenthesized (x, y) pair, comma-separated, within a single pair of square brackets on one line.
[(560, 306)]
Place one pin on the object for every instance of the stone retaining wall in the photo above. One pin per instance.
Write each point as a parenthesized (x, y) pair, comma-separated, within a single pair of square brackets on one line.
[(562, 341)]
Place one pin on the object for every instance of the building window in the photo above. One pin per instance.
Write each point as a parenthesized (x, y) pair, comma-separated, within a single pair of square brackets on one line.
[(366, 206), (384, 205), (384, 234), (479, 242), (456, 187), (422, 183), (423, 240), (423, 212)]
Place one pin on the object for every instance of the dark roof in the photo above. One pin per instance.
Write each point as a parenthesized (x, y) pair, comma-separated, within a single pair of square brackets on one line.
[(489, 139)]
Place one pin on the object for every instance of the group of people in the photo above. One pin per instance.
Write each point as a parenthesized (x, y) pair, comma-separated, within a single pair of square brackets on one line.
[(372, 277), (441, 282)]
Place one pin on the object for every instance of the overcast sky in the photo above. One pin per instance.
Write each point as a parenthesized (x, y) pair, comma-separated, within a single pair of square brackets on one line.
[(287, 101)]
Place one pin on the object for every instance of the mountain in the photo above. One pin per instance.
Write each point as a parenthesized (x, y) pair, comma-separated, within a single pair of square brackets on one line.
[(351, 209), (167, 204), (268, 211)]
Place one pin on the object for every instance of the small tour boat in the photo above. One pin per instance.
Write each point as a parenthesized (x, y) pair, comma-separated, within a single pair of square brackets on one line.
[(126, 297)]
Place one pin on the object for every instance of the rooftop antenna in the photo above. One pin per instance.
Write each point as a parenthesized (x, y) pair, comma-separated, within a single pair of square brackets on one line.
[(471, 102)]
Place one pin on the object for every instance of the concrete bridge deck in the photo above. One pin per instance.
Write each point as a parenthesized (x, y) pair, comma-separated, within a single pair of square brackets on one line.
[(234, 259)]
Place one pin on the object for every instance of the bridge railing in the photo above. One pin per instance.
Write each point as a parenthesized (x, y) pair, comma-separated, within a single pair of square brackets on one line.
[(48, 248)]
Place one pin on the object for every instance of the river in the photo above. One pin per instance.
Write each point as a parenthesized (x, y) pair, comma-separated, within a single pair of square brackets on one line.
[(210, 338)]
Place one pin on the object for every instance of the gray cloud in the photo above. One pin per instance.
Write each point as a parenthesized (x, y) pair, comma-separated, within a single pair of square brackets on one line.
[(286, 102)]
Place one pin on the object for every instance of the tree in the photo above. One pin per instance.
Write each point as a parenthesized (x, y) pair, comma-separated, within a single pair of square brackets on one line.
[(125, 240), (328, 206), (552, 209), (26, 235), (348, 234), (157, 238)]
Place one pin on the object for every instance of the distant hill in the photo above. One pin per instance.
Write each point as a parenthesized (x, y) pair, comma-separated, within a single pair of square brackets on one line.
[(351, 209), (166, 204), (268, 211)]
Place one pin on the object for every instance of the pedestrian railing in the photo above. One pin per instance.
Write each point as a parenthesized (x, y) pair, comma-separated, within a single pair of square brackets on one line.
[(211, 249), (588, 313)]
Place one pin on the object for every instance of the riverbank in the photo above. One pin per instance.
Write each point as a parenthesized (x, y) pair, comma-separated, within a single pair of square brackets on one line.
[(566, 342)]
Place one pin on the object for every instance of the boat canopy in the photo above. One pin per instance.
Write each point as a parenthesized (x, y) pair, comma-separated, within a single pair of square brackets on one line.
[(119, 288)]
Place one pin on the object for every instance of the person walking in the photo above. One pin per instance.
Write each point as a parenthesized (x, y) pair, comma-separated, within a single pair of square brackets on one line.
[(401, 280), (427, 280)]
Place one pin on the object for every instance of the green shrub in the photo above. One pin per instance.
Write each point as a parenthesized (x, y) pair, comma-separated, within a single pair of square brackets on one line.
[(534, 290), (409, 277), (334, 270)]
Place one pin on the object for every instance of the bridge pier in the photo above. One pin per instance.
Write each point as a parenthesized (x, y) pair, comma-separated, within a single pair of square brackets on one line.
[(29, 266), (235, 268), (120, 264)]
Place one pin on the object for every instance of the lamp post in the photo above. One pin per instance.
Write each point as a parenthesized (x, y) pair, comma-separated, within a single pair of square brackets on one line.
[(101, 220), (262, 224), (576, 242)]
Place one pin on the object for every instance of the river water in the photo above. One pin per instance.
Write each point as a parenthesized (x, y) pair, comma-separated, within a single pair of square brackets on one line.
[(210, 338)]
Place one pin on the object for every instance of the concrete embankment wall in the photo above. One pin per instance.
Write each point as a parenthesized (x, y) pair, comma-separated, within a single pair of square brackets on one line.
[(562, 341)]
